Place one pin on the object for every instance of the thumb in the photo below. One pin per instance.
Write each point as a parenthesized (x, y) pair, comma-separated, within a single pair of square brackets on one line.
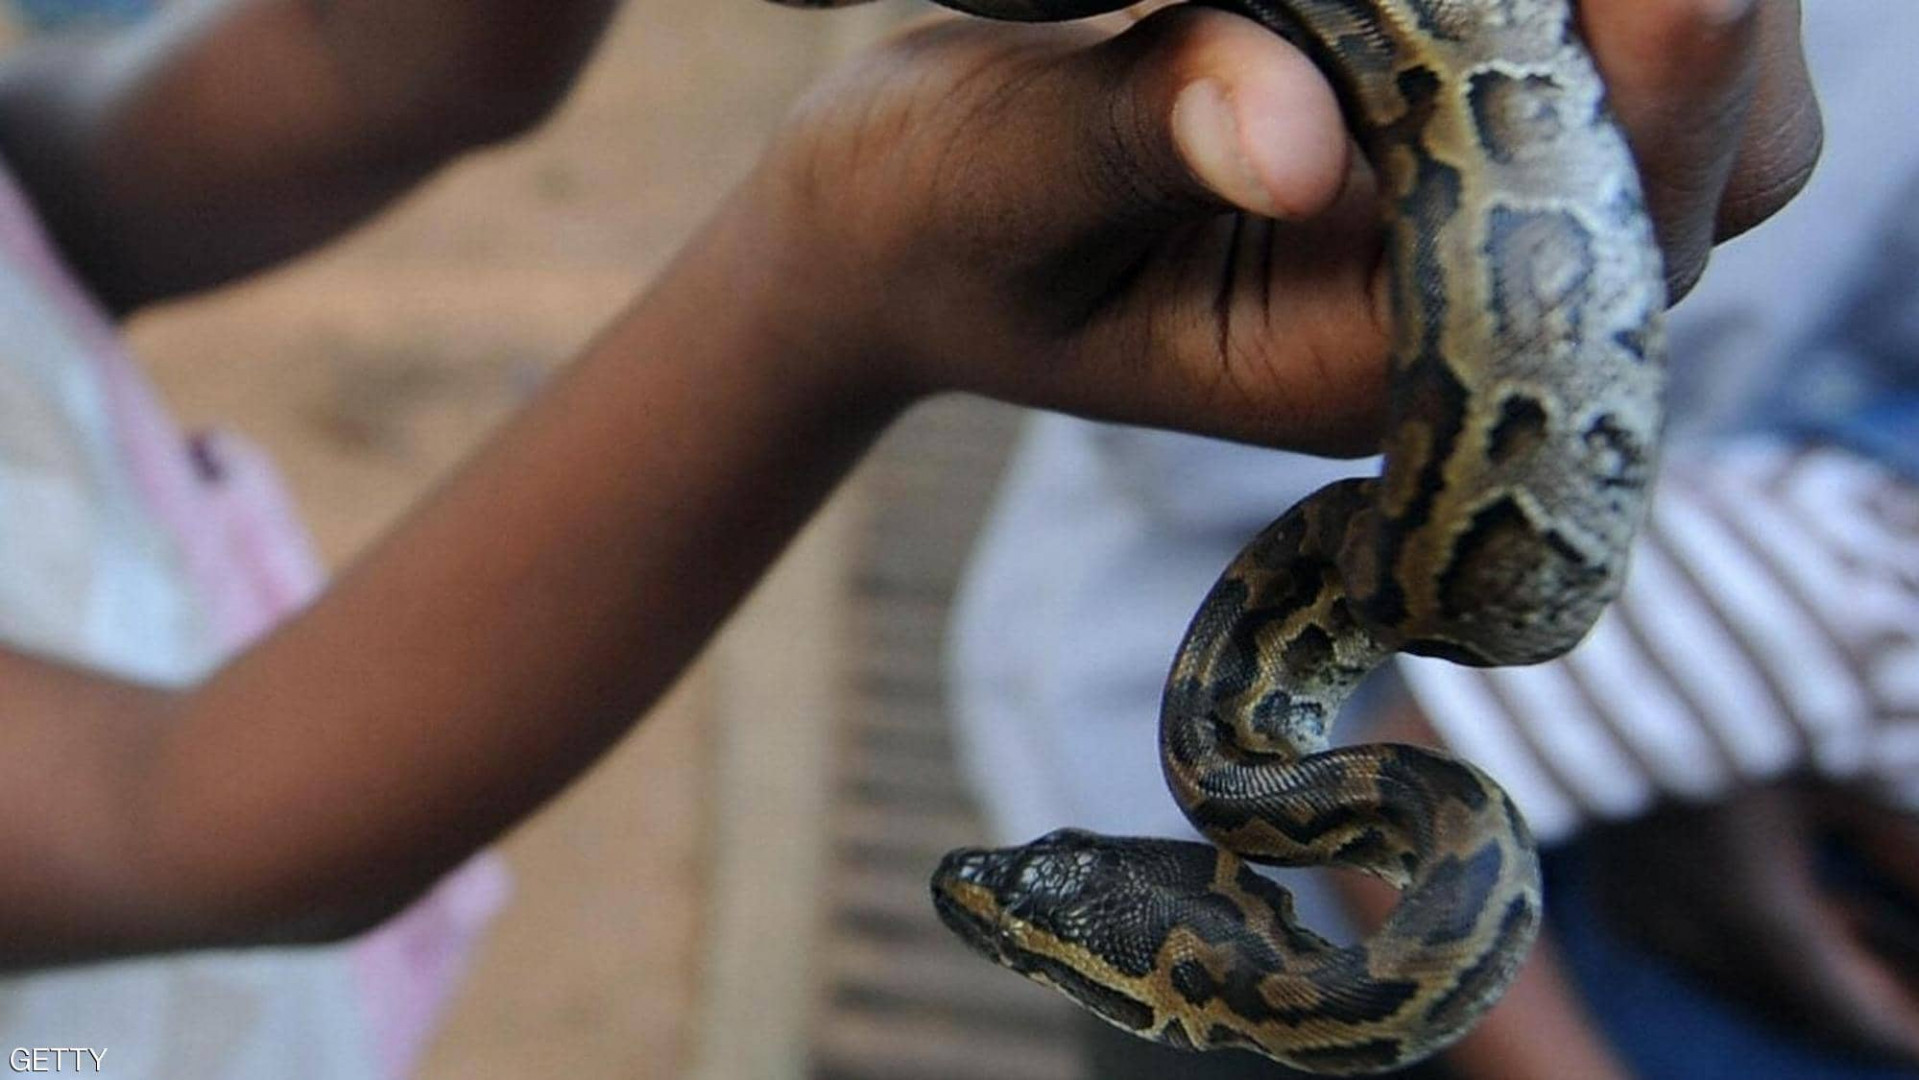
[(1194, 107)]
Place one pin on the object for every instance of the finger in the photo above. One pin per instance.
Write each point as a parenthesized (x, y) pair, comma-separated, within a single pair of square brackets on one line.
[(1891, 932), (1683, 76), (1194, 107), (1783, 132), (1847, 992), (1885, 838)]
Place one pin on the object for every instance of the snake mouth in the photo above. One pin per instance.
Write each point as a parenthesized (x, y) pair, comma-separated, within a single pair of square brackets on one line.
[(965, 903)]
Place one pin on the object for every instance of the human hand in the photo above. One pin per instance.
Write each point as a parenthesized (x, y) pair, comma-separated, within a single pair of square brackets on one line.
[(1730, 892), (1168, 227)]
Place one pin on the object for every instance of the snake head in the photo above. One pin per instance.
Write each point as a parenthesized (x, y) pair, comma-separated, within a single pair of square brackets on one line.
[(1069, 889), (988, 896), (1092, 915), (1067, 910), (1115, 897)]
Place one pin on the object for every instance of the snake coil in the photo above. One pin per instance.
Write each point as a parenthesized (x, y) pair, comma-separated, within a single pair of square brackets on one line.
[(1526, 387)]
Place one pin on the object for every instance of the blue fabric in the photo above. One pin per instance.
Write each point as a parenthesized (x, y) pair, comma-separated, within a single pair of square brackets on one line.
[(1665, 1025), (1885, 429), (54, 14), (1854, 379)]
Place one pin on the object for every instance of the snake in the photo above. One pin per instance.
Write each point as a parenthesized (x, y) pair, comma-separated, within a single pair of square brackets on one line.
[(1527, 298)]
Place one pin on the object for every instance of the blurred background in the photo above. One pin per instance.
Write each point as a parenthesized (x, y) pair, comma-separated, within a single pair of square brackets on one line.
[(738, 892)]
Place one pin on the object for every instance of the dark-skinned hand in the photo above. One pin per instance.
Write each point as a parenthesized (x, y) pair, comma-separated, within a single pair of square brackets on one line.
[(1732, 893), (1049, 214)]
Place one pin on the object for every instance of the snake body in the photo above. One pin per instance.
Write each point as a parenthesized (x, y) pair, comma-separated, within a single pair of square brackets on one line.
[(1525, 414)]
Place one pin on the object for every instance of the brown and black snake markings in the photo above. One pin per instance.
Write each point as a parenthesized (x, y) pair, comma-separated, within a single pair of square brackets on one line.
[(1526, 415)]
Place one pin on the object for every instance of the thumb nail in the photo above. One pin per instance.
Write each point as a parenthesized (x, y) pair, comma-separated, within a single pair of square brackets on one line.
[(1207, 131)]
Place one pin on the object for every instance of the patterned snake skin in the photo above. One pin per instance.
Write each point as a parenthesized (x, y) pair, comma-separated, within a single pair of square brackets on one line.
[(1526, 413)]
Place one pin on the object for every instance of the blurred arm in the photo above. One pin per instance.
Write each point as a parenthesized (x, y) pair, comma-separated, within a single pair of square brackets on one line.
[(451, 682), (1541, 1027), (1730, 891), (228, 135)]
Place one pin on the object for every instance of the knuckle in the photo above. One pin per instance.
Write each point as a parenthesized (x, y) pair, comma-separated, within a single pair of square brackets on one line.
[(1784, 137), (1133, 163), (1751, 203), (1709, 16), (1685, 266)]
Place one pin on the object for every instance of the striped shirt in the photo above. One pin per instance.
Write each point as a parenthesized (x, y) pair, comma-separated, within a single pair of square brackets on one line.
[(1769, 625)]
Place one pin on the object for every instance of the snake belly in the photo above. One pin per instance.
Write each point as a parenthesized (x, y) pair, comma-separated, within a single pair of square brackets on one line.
[(1525, 415)]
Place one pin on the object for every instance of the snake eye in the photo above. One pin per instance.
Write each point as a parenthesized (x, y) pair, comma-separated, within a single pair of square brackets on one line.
[(1066, 839)]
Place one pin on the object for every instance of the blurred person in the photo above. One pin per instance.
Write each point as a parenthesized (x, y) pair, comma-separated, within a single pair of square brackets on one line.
[(130, 551), (172, 788), (1713, 911)]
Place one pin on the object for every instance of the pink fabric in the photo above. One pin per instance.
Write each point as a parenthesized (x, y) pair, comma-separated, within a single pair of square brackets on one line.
[(252, 565), (264, 568)]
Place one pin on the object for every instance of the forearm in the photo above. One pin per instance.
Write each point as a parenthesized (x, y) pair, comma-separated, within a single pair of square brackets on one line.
[(221, 138), (487, 652), (68, 739), (1540, 1028)]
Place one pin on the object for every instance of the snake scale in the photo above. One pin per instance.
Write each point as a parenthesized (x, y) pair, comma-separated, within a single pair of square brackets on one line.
[(1525, 415)]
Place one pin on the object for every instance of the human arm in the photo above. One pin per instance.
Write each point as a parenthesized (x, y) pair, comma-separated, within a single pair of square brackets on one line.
[(219, 138), (958, 214), (1731, 892), (1541, 1026), (1727, 891)]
